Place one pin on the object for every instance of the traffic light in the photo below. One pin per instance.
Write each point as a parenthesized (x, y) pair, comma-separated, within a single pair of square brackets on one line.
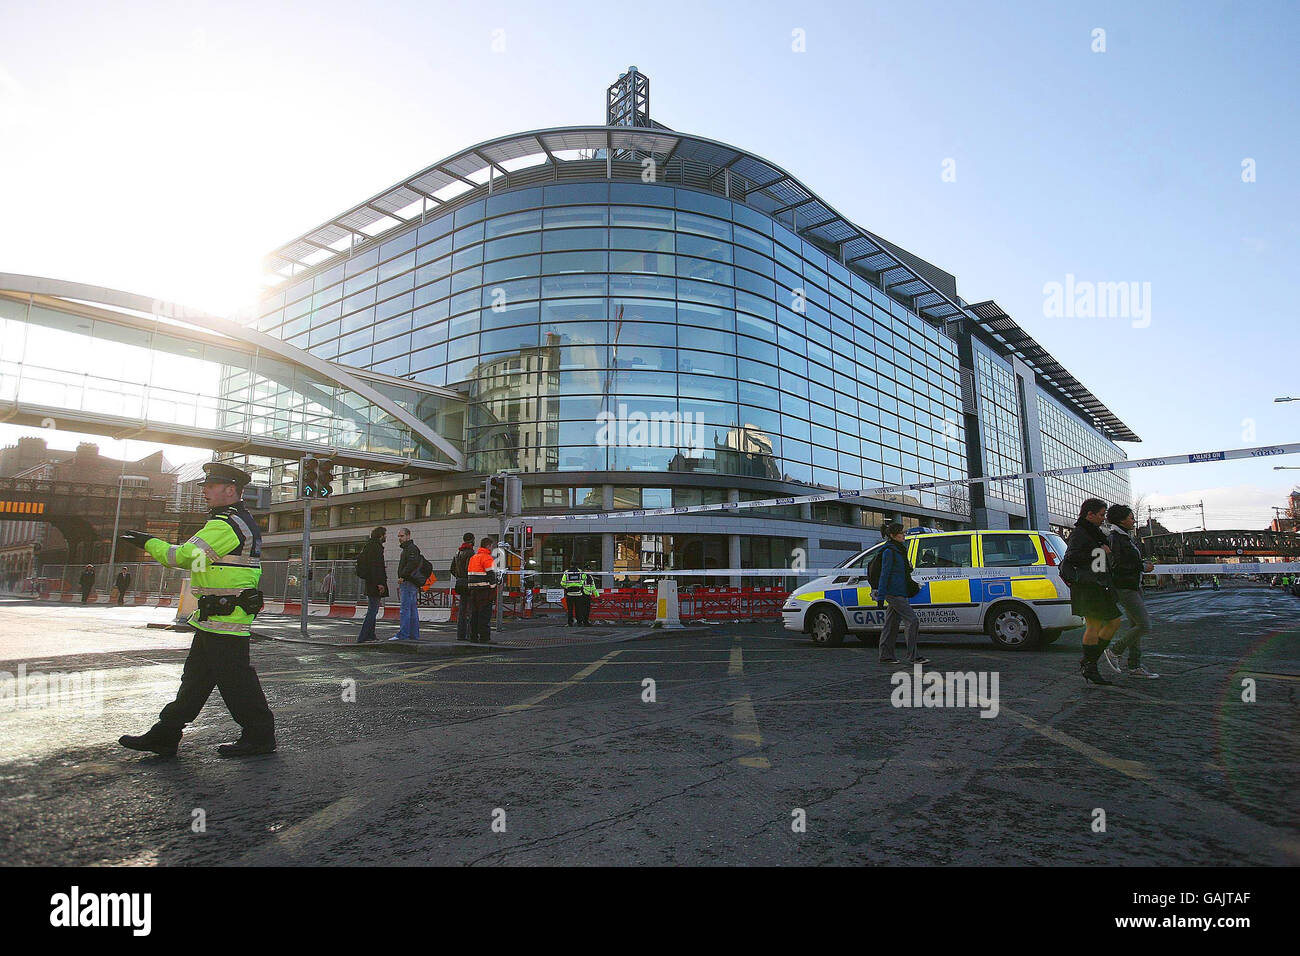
[(528, 538), (308, 476), (324, 475), (497, 494), (482, 499)]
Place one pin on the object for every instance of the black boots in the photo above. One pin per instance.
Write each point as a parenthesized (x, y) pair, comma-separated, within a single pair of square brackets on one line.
[(155, 741), (1088, 666), (247, 748)]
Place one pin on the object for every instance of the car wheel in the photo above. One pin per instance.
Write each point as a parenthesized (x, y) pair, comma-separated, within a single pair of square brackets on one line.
[(1013, 627), (1052, 636), (826, 627)]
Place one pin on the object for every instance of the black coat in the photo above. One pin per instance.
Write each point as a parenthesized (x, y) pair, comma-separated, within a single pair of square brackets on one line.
[(408, 567), (371, 567), (1084, 540), (1126, 562), (1092, 595)]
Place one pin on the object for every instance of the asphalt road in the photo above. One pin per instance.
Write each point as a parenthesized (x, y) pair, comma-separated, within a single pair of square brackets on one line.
[(751, 730)]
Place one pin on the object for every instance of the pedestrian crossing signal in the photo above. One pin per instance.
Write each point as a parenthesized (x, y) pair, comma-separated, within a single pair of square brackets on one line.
[(308, 476), (324, 475)]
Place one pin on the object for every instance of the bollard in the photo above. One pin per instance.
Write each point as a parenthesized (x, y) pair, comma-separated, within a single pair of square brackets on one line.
[(186, 603), (667, 611)]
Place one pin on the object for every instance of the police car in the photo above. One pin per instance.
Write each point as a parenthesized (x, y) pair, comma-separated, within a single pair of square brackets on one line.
[(1004, 583)]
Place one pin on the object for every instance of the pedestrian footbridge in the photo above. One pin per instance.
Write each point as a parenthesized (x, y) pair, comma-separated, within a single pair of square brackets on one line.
[(89, 359)]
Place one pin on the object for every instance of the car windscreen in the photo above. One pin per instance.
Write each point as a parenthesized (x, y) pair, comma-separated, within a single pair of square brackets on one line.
[(860, 560)]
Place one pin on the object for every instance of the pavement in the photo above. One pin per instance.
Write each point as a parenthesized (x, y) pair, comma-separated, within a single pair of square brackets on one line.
[(739, 745), (440, 638)]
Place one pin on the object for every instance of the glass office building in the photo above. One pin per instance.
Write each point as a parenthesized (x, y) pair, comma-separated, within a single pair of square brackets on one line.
[(636, 318)]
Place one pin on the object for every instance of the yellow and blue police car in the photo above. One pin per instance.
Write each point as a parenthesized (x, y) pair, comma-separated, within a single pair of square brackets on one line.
[(1006, 584)]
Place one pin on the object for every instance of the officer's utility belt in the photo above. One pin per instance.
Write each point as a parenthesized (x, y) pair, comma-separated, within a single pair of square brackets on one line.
[(248, 600), (574, 591)]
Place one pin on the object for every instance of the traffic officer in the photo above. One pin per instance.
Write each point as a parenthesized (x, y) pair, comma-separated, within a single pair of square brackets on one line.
[(575, 594), (224, 561)]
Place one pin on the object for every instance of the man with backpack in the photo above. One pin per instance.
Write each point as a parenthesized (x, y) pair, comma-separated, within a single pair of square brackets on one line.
[(413, 570), (891, 583), (460, 575), (371, 570)]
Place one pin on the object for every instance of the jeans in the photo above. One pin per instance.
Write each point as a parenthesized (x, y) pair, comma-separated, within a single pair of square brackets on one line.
[(1134, 629), (898, 609), (368, 625), (464, 614), (409, 628)]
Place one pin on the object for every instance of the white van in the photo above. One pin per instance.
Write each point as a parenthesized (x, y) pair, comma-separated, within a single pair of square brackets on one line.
[(1004, 583)]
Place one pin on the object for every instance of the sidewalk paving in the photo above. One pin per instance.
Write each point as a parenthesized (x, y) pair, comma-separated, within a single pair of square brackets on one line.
[(441, 637)]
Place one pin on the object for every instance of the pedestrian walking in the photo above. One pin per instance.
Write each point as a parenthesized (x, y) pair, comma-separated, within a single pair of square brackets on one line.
[(1085, 569), (329, 586), (483, 591), (1127, 566), (123, 584), (410, 580), (372, 570), (459, 573), (225, 565), (895, 588), (87, 581)]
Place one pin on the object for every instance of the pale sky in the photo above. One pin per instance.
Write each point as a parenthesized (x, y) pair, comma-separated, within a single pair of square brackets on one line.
[(164, 148)]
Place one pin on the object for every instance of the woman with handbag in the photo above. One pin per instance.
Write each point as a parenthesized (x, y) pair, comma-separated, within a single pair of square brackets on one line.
[(896, 586), (1086, 569)]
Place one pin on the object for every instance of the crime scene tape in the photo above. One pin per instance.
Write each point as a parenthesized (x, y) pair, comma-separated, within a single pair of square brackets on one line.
[(941, 574), (1200, 457)]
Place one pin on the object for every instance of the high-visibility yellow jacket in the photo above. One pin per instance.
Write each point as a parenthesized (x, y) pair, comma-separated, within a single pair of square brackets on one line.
[(225, 557), (574, 583)]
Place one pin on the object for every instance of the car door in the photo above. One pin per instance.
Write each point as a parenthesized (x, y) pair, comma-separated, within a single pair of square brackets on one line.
[(942, 564), (1016, 551)]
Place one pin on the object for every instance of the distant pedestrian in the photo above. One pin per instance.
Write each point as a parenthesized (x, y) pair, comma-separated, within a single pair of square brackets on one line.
[(483, 591), (1086, 570), (329, 586), (1127, 566), (123, 584), (459, 572), (371, 570), (895, 588), (87, 582), (410, 580)]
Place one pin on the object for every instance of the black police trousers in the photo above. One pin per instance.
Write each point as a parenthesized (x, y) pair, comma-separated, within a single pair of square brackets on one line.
[(222, 662)]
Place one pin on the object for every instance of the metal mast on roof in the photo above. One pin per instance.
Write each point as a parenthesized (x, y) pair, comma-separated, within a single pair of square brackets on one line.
[(627, 101)]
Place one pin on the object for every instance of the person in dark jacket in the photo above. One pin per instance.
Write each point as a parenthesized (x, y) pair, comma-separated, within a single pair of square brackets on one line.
[(1127, 567), (1092, 595), (409, 583), (460, 575), (895, 576), (123, 584), (87, 582), (371, 570)]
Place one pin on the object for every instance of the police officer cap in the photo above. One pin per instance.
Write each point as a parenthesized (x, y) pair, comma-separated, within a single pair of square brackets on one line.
[(219, 473)]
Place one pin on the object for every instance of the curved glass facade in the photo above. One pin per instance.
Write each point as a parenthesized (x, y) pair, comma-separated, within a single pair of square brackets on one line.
[(583, 317)]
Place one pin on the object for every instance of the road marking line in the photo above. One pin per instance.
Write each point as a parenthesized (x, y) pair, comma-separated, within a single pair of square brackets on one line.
[(736, 666), (1271, 676), (745, 731), (1138, 771), (575, 679), (300, 834)]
